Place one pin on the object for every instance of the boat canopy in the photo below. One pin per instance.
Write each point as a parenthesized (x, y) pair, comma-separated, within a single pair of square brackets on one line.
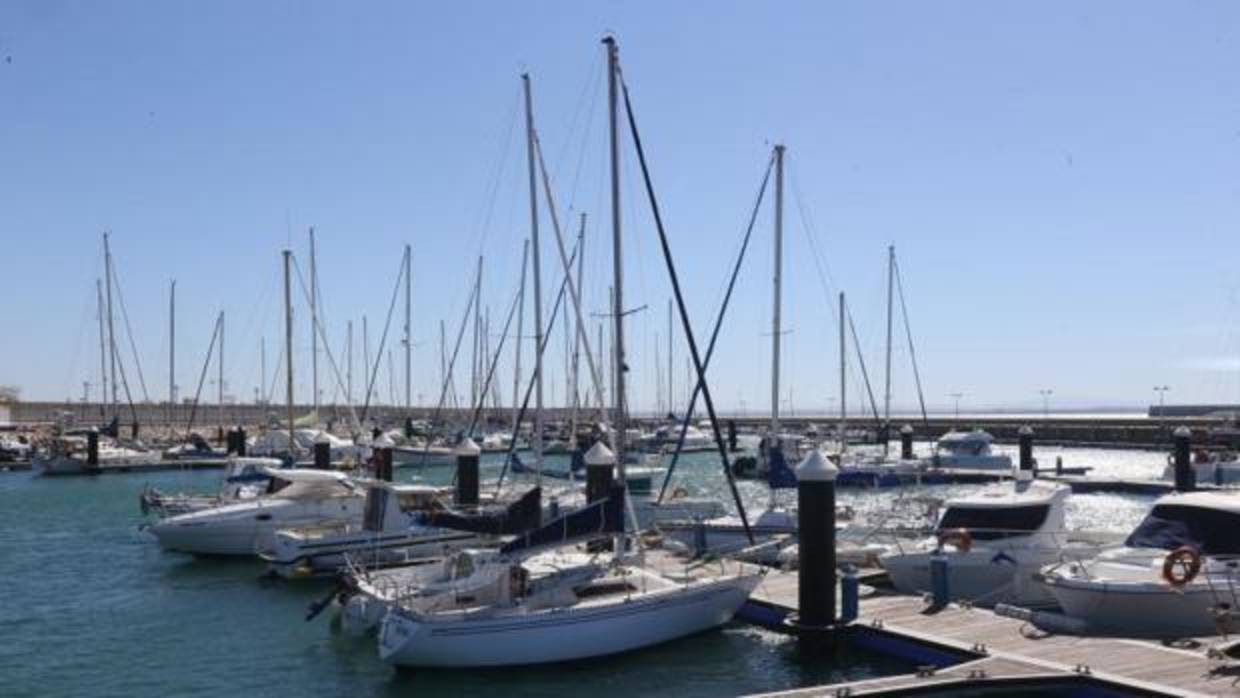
[(602, 517), (1169, 526), (520, 516)]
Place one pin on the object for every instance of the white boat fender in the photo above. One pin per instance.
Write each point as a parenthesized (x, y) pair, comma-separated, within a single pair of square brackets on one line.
[(1044, 620)]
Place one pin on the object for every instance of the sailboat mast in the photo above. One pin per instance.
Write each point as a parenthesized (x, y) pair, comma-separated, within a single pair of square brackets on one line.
[(538, 322), (891, 262), (366, 357), (288, 344), (617, 310), (408, 328), (262, 367), (107, 275), (349, 368), (776, 328), (103, 353), (581, 329), (671, 392), (843, 380), (314, 329), (516, 364), (221, 375), (172, 349)]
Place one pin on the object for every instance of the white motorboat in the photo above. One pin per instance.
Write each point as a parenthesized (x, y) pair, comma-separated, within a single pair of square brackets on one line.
[(401, 524), (1222, 468), (419, 455), (275, 444), (968, 450), (68, 457), (1176, 574), (295, 497), (244, 478), (14, 450), (994, 543)]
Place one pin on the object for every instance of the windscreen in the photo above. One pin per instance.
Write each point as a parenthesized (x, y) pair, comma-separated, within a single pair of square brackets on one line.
[(1168, 526), (995, 523)]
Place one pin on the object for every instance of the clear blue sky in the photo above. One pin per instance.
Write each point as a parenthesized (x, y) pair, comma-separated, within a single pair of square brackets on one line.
[(1061, 180)]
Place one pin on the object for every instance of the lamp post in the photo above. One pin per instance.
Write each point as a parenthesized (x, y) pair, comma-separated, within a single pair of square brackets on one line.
[(1046, 410), (956, 397), (1162, 412)]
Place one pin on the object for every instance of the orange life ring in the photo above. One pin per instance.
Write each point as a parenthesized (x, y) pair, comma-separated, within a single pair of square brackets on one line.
[(957, 537), (1181, 565), (680, 493)]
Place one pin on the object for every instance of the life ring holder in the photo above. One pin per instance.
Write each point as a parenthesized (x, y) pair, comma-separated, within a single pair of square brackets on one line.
[(956, 537), (1181, 566)]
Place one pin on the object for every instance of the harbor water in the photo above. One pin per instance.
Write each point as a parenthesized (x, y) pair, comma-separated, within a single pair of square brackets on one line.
[(94, 607)]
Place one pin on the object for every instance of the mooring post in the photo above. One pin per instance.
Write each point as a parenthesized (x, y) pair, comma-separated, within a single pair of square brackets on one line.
[(940, 592), (1185, 478), (382, 449), (92, 448), (322, 452), (906, 442), (241, 441), (1026, 448), (815, 619), (408, 427), (133, 430), (599, 464), (850, 595), (732, 436), (467, 456)]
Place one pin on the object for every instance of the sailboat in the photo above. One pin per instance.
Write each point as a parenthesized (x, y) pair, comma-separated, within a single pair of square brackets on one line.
[(628, 606)]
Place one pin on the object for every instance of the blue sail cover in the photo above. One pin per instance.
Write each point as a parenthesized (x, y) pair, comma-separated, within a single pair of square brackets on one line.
[(606, 516), (520, 516), (779, 475), (520, 467)]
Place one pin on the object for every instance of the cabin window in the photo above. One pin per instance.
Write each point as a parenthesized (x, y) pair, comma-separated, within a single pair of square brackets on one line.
[(993, 524), (1168, 526)]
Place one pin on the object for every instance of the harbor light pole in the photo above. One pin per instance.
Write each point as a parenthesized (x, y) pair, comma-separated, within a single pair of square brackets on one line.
[(956, 397), (1046, 393), (1162, 412)]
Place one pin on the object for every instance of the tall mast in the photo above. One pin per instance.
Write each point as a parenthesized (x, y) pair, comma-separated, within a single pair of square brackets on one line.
[(172, 349), (671, 393), (443, 361), (581, 329), (107, 276), (349, 368), (221, 376), (613, 68), (538, 322), (408, 329), (776, 329), (475, 385), (103, 353), (314, 325), (366, 357), (843, 379), (262, 367), (891, 263), (516, 370), (288, 345)]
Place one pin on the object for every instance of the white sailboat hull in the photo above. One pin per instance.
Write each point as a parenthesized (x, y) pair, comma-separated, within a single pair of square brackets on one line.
[(240, 529), (1143, 609), (293, 556), (562, 634)]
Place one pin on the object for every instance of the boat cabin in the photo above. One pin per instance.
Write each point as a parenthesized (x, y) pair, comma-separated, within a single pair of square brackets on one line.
[(392, 507), (1207, 521), (1001, 512), (965, 443), (299, 483)]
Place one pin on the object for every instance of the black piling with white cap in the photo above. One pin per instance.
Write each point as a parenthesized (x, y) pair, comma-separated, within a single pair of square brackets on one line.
[(1025, 436), (92, 448), (467, 457), (322, 452), (1185, 477), (382, 449), (732, 446), (906, 442), (600, 463), (241, 441), (816, 576)]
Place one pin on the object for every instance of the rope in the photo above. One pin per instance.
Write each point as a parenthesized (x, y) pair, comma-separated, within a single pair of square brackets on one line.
[(723, 308), (680, 305), (912, 352)]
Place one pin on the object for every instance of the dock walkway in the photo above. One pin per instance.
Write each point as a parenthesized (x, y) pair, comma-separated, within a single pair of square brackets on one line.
[(993, 651)]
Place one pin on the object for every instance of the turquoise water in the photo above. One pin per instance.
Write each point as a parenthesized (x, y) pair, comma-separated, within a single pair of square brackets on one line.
[(94, 607)]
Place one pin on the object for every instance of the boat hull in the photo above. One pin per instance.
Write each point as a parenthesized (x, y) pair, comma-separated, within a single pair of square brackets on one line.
[(983, 577), (1143, 609), (562, 634)]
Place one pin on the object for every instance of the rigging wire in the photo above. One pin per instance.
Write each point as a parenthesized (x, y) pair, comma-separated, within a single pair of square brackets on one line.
[(723, 309), (133, 347), (912, 351)]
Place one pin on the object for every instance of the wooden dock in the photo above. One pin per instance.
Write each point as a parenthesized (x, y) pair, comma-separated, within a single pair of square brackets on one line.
[(962, 647)]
